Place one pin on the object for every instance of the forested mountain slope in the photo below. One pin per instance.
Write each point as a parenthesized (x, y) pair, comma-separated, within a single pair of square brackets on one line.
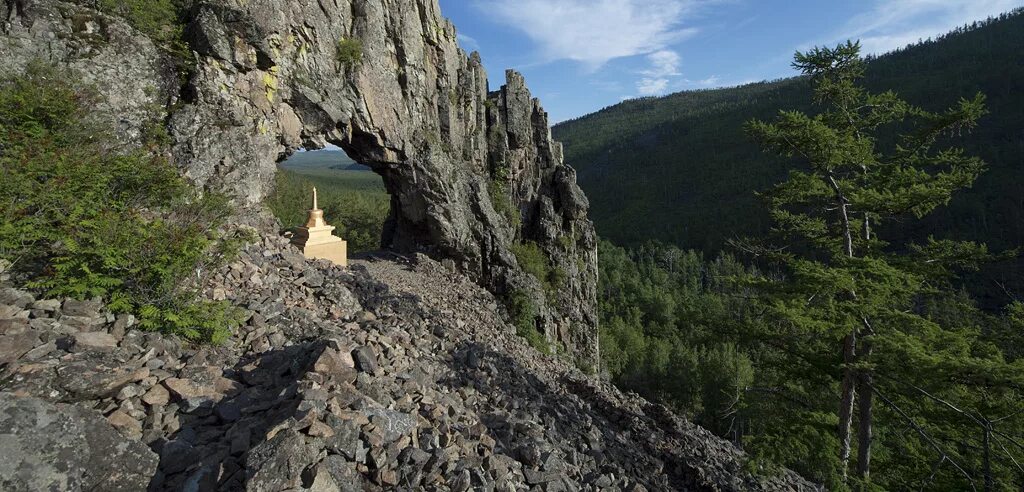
[(681, 170)]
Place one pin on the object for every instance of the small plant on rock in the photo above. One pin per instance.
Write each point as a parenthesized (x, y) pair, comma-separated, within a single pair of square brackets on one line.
[(533, 261), (523, 311), (163, 21), (349, 52), (501, 198)]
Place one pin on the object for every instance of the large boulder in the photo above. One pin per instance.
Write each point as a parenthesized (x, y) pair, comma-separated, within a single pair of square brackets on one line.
[(47, 446)]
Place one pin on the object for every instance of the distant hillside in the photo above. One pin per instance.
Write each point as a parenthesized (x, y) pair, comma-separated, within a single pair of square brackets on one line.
[(321, 159), (680, 169)]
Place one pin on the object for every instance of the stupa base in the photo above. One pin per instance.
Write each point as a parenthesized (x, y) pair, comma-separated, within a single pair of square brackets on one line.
[(321, 245)]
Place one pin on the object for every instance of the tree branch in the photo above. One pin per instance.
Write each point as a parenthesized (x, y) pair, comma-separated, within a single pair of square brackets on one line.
[(937, 399), (1007, 452), (924, 435)]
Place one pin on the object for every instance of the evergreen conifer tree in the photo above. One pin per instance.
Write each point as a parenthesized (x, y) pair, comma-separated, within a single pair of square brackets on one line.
[(851, 299)]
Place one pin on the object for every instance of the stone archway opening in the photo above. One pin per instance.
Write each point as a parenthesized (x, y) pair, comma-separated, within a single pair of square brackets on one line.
[(352, 195)]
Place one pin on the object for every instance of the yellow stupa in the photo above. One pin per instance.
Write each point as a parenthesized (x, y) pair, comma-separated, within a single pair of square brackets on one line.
[(316, 240)]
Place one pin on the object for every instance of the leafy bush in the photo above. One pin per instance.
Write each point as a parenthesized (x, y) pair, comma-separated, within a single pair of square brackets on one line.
[(161, 20), (501, 199), (533, 261), (523, 311), (556, 279), (78, 219), (350, 52), (156, 18)]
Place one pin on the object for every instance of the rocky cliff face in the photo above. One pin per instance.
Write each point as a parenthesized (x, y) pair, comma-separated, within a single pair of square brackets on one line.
[(383, 79)]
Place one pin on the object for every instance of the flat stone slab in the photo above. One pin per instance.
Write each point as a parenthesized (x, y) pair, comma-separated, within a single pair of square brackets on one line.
[(93, 340), (48, 446)]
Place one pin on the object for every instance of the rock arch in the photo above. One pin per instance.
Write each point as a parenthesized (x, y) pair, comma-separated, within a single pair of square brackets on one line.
[(386, 81)]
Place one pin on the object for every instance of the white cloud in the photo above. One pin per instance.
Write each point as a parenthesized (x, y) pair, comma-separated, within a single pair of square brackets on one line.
[(712, 80), (593, 32), (663, 64), (651, 87), (468, 43), (892, 24)]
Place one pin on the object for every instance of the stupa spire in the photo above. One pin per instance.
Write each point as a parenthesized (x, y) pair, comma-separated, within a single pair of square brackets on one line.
[(316, 216)]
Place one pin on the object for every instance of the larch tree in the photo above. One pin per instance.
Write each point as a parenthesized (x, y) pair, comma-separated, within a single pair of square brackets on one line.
[(847, 288)]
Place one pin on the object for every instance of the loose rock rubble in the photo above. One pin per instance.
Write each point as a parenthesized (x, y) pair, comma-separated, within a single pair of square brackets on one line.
[(394, 374)]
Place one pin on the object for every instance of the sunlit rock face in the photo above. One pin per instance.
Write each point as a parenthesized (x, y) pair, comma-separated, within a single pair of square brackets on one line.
[(383, 79)]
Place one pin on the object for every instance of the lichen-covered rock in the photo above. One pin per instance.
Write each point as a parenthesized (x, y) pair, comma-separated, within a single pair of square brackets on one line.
[(48, 446), (267, 79), (136, 81), (277, 464)]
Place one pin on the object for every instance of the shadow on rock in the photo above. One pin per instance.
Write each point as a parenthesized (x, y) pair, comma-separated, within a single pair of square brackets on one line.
[(219, 431)]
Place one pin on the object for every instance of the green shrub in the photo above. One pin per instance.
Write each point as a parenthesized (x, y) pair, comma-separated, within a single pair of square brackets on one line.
[(161, 20), (523, 312), (80, 220), (585, 366), (156, 18), (556, 279), (501, 199), (350, 52), (531, 259)]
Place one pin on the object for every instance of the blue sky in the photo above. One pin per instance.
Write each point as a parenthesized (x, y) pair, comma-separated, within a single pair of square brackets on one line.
[(582, 55)]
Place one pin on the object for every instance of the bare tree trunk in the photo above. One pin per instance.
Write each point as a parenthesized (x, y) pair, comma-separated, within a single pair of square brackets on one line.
[(846, 400), (847, 233), (867, 226), (844, 215), (864, 402), (987, 458), (848, 391)]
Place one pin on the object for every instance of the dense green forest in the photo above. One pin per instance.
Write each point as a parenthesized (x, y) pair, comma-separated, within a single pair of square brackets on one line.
[(679, 168), (849, 354), (690, 331)]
